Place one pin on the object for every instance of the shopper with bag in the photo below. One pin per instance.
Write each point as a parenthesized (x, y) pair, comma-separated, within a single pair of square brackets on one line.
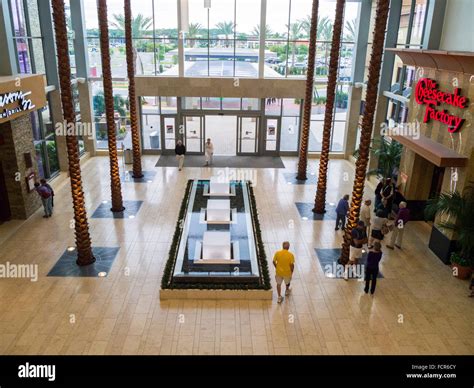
[(46, 198)]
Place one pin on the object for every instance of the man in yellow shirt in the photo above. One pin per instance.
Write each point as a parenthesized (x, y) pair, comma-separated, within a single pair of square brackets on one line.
[(284, 262)]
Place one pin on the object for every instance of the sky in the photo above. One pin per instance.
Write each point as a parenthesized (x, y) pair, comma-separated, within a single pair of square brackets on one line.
[(248, 12)]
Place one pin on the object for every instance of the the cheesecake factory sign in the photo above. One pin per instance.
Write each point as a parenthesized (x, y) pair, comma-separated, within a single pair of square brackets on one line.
[(427, 93), (15, 102), (21, 95)]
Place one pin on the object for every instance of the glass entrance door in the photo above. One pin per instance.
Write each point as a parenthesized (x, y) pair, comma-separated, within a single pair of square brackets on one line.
[(272, 135), (194, 134), (247, 135), (168, 133)]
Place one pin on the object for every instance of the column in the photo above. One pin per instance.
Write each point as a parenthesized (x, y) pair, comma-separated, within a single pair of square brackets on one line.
[(8, 61), (386, 72), (358, 70)]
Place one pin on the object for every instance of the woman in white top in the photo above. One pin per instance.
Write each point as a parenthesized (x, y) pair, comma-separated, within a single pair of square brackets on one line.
[(209, 152), (378, 224)]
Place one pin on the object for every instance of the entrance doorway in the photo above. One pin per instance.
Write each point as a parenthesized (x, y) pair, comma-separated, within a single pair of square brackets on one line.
[(222, 130), (5, 212)]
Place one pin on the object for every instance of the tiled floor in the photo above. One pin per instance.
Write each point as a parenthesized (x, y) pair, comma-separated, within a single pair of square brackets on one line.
[(418, 307)]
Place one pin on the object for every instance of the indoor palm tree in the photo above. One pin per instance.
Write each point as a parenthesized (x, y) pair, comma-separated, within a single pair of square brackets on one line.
[(388, 154), (457, 214), (81, 226), (132, 98), (303, 155), (115, 185), (320, 201), (381, 15)]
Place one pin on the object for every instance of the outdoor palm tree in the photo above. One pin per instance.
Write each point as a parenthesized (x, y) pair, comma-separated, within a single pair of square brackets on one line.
[(140, 25), (381, 14), (351, 30), (81, 226), (256, 31), (226, 29), (115, 185), (194, 30), (295, 34), (320, 201), (132, 98), (303, 155)]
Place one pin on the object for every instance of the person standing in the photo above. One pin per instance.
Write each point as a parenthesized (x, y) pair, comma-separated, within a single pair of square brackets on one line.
[(180, 151), (372, 268), (378, 195), (48, 186), (45, 195), (380, 222), (209, 152), (358, 239), (284, 262), (401, 220), (341, 212), (365, 215), (387, 194)]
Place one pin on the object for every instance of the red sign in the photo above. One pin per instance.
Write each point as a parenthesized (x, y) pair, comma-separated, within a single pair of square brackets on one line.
[(427, 93)]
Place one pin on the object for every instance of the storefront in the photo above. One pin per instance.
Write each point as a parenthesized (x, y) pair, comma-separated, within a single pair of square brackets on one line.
[(22, 97), (438, 142)]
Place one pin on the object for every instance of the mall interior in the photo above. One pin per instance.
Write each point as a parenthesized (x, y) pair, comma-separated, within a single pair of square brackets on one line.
[(235, 72)]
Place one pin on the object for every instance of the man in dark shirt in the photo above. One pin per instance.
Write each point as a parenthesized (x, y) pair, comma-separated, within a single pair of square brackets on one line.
[(180, 151), (341, 212), (372, 268)]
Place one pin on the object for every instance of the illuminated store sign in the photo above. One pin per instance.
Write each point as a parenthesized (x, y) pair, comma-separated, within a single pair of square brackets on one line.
[(23, 103), (427, 93)]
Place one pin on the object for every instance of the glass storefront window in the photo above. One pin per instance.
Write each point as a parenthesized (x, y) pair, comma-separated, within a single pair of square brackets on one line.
[(289, 134), (169, 105)]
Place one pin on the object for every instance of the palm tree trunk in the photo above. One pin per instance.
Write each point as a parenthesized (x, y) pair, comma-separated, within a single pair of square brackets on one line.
[(81, 226), (132, 98), (320, 200), (303, 156), (378, 40), (117, 203)]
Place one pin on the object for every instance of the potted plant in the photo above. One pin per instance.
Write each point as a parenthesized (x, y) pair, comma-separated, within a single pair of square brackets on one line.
[(457, 214), (462, 266)]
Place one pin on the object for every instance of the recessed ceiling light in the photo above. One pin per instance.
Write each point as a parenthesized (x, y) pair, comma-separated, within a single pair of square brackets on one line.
[(105, 201), (331, 203), (304, 218), (289, 183), (102, 274), (149, 181), (132, 216)]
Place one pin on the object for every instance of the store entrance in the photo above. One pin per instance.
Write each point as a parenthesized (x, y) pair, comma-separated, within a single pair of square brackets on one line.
[(5, 212)]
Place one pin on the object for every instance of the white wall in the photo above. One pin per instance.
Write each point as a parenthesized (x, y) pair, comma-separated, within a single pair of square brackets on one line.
[(458, 28)]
